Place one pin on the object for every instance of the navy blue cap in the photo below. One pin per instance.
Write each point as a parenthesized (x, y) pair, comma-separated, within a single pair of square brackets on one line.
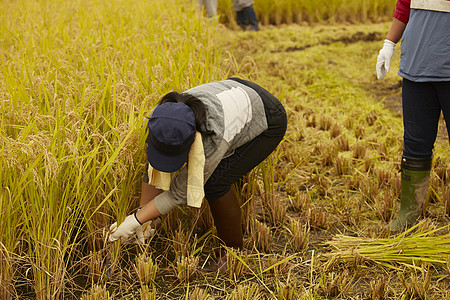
[(171, 132)]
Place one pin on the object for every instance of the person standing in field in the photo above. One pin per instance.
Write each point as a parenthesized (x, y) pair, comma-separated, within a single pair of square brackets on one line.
[(210, 7), (246, 14), (424, 27), (211, 135)]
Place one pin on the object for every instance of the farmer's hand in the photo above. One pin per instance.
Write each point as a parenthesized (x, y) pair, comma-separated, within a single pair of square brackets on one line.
[(128, 227), (384, 58), (144, 232)]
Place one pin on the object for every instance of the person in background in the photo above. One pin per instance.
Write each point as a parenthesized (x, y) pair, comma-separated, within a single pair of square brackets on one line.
[(246, 14), (424, 27), (210, 7), (211, 136)]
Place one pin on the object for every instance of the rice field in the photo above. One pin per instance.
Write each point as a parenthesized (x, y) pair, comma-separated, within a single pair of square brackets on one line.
[(77, 79), (312, 12)]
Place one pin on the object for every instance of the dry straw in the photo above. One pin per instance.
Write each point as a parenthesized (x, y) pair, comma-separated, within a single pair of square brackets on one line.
[(413, 248), (244, 292), (186, 267), (261, 236), (146, 269), (97, 292), (299, 235), (198, 294), (148, 294)]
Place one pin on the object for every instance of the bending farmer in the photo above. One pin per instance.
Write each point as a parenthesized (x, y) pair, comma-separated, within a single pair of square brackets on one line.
[(424, 27), (213, 134)]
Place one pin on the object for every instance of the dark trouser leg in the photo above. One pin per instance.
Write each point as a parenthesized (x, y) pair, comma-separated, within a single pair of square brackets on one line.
[(443, 92), (421, 112), (252, 18), (226, 212), (422, 105), (242, 19)]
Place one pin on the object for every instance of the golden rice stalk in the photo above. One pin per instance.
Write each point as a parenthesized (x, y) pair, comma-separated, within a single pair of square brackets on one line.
[(359, 150), (244, 292), (299, 235), (147, 294), (371, 118), (146, 269), (97, 292), (203, 217), (418, 286), (303, 201), (448, 266), (385, 205), (7, 263), (411, 248), (318, 218), (335, 130), (277, 210), (186, 267), (335, 284), (182, 243), (261, 235), (199, 294), (325, 123), (378, 289), (384, 177), (248, 203), (236, 262), (342, 143), (447, 201), (289, 291), (342, 165), (276, 265), (95, 264)]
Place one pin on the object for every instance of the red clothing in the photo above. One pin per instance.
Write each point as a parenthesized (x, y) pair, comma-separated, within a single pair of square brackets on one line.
[(402, 10)]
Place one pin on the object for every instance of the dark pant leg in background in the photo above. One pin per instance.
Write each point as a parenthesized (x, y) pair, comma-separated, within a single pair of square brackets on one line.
[(422, 103), (247, 17), (253, 20), (242, 19)]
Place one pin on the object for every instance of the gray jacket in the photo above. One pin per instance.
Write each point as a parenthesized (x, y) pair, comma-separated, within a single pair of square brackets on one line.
[(235, 115), (239, 5), (426, 47)]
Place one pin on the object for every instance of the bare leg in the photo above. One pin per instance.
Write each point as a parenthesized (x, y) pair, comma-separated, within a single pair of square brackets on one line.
[(148, 192), (148, 210)]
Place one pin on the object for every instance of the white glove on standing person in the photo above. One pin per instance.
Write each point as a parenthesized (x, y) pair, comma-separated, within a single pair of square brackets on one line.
[(127, 228), (384, 58)]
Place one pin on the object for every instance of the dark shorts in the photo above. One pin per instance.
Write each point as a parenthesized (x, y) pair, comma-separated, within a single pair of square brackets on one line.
[(422, 105), (251, 154)]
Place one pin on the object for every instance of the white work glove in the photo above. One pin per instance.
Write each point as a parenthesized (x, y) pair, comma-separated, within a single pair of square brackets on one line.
[(128, 227), (143, 232), (384, 58)]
